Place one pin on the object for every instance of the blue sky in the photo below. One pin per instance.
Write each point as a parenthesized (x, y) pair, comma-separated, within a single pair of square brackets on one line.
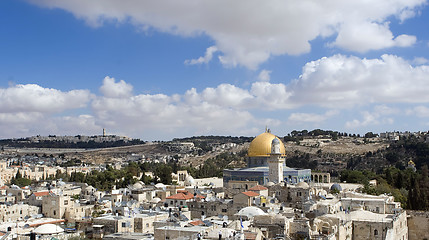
[(156, 70)]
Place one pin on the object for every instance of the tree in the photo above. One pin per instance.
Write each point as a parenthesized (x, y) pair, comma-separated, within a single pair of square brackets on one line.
[(18, 175), (163, 172)]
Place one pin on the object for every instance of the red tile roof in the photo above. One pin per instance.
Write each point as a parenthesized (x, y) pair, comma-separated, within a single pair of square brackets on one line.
[(197, 223), (39, 194), (50, 222), (184, 195), (181, 196), (258, 188), (250, 194), (250, 235), (4, 187), (200, 196)]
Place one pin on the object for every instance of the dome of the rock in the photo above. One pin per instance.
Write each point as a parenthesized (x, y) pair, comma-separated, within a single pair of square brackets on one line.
[(261, 145)]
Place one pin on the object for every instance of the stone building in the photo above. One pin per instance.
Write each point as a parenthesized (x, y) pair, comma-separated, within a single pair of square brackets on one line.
[(9, 213), (361, 224), (418, 225)]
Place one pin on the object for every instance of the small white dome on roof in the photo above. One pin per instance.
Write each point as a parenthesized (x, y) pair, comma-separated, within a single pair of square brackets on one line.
[(269, 184), (322, 193), (48, 229), (251, 212), (159, 185), (303, 185), (189, 181), (138, 185)]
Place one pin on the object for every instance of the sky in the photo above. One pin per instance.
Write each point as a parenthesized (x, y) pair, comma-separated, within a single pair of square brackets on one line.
[(158, 70)]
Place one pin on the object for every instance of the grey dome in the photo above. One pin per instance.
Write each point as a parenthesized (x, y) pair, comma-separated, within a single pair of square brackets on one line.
[(337, 187)]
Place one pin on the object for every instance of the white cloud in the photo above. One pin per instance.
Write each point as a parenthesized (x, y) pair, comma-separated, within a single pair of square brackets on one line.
[(311, 117), (28, 109), (227, 95), (376, 117), (336, 82), (34, 98), (419, 111), (264, 75), (248, 32), (115, 90), (206, 59), (370, 36), (340, 82), (142, 113), (420, 61), (270, 96)]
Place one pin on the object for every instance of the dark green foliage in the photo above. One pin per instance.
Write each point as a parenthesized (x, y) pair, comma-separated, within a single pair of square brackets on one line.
[(408, 187), (23, 142), (301, 161), (163, 172), (19, 180), (71, 163), (370, 135), (415, 148), (213, 167), (354, 176), (215, 139)]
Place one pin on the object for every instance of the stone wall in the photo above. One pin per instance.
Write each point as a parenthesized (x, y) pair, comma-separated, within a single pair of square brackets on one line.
[(418, 225)]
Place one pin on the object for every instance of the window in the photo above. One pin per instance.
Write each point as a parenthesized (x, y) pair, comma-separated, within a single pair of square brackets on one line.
[(375, 232), (55, 212), (66, 202), (124, 224), (224, 210)]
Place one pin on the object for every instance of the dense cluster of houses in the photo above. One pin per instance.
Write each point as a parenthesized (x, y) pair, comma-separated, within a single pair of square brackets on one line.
[(199, 209)]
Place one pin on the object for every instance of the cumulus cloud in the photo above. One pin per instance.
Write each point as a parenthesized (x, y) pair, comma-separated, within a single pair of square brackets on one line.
[(25, 109), (264, 75), (160, 112), (341, 81), (420, 61), (419, 111), (248, 32), (370, 36), (333, 83), (113, 89), (312, 117), (206, 59), (34, 98), (379, 115)]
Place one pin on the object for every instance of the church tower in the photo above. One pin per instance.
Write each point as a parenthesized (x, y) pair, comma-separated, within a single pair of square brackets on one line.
[(275, 162)]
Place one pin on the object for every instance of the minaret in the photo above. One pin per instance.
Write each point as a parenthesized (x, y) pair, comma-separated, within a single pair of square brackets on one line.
[(275, 162), (104, 132)]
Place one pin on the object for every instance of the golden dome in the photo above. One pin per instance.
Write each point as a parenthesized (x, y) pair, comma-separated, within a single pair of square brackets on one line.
[(261, 145)]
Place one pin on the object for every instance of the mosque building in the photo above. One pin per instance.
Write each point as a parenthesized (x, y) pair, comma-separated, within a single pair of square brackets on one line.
[(266, 163)]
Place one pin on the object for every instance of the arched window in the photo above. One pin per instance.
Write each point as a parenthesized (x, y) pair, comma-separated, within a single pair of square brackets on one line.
[(375, 232)]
